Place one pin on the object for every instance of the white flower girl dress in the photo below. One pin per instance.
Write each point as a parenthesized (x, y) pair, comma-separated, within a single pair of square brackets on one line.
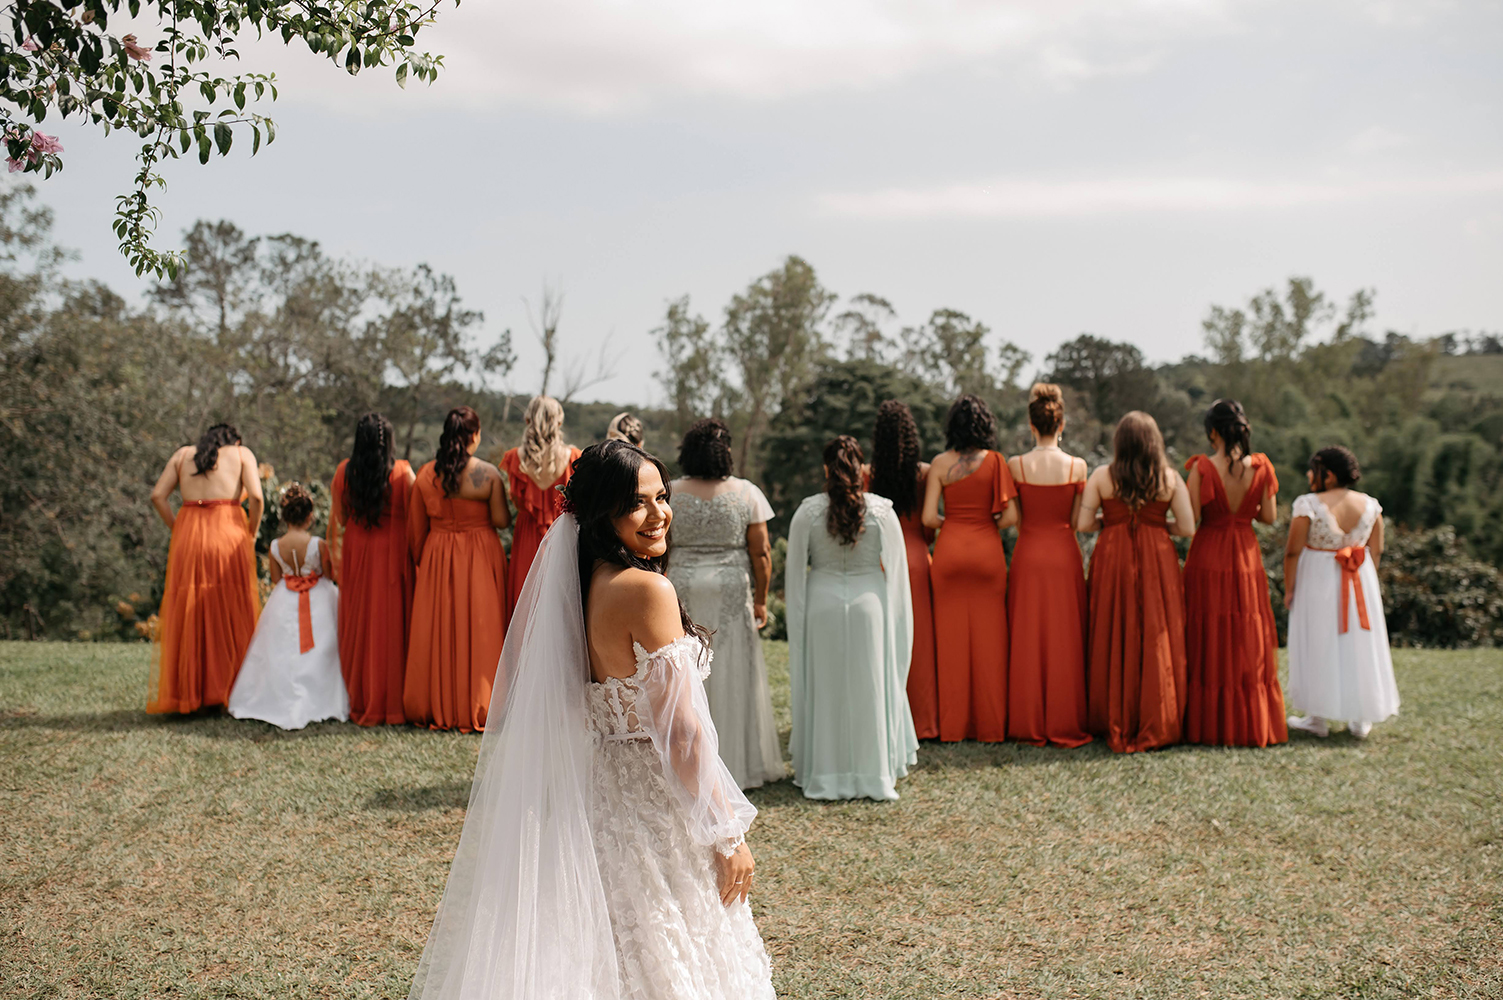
[(290, 676), (1339, 664)]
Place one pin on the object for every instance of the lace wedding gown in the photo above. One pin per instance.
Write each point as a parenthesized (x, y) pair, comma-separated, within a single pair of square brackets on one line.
[(674, 937)]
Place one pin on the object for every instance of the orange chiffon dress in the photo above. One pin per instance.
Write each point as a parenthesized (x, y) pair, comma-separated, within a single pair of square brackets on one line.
[(209, 608), (923, 673), (969, 580), (1046, 620), (1136, 667), (458, 609), (1230, 638), (537, 509), (375, 604)]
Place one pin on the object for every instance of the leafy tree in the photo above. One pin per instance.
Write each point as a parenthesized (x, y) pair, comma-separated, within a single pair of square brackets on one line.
[(773, 335), (692, 378), (864, 324), (1111, 376), (60, 56)]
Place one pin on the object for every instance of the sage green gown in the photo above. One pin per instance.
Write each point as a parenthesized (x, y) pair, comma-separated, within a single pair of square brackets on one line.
[(850, 636)]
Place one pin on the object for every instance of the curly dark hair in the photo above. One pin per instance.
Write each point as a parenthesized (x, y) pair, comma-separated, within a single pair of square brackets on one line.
[(970, 425), (895, 457), (460, 426), (602, 488), (206, 455), (705, 452), (1227, 418), (847, 512), (1339, 462), (367, 477), (296, 504)]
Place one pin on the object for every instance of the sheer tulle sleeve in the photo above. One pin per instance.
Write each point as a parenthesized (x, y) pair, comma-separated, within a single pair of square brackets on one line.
[(899, 594), (679, 723), (756, 502)]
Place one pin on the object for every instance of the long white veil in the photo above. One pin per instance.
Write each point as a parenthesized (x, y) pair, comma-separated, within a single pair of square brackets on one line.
[(524, 912)]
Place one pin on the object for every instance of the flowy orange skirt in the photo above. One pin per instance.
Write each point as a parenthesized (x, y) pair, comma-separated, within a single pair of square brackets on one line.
[(1136, 667), (923, 673), (208, 611), (458, 626)]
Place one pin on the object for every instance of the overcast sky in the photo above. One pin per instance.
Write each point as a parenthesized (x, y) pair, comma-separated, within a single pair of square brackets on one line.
[(1051, 167)]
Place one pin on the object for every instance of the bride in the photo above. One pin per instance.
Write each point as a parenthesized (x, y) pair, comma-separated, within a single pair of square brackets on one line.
[(603, 854)]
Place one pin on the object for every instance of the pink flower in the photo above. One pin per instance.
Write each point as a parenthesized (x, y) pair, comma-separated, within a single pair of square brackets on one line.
[(44, 144), (134, 50), (30, 45), (14, 164)]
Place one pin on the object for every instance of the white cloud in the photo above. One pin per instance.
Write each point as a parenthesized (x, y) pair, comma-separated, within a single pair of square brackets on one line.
[(1020, 197), (601, 55)]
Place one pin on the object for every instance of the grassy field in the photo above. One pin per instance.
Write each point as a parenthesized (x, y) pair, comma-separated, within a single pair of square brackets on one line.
[(203, 857)]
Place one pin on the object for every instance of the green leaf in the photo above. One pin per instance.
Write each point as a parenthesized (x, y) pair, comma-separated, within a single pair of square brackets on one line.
[(240, 96), (205, 148), (352, 60), (223, 136), (402, 76), (255, 140)]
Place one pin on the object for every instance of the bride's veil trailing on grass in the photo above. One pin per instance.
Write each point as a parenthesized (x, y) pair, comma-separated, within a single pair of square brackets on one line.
[(524, 912)]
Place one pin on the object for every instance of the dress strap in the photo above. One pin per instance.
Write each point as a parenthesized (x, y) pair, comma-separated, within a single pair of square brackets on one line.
[(1022, 470)]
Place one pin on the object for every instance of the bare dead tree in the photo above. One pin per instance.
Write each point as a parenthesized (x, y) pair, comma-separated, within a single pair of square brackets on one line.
[(545, 327), (579, 377)]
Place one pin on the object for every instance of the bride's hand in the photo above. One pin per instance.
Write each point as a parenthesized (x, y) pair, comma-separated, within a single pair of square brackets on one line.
[(735, 874)]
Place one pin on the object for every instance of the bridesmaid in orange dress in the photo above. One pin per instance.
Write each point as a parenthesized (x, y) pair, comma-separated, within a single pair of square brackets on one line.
[(372, 563), (459, 602), (1136, 665), (898, 475), (969, 574), (212, 599), (1231, 640), (1046, 592), (545, 459)]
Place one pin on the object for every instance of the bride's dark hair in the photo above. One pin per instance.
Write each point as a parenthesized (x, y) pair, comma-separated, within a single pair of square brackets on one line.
[(602, 488)]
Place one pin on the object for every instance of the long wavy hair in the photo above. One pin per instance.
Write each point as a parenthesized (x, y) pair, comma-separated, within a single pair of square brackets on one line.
[(895, 456), (970, 425), (206, 455), (705, 451), (367, 477), (847, 511), (1139, 470), (542, 455), (602, 488), (1228, 420), (460, 427)]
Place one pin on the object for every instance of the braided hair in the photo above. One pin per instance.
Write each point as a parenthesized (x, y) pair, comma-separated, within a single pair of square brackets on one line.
[(705, 452), (206, 456), (460, 427), (895, 456), (970, 425), (367, 477)]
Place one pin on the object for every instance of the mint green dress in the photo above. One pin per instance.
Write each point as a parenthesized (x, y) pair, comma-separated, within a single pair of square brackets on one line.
[(850, 636)]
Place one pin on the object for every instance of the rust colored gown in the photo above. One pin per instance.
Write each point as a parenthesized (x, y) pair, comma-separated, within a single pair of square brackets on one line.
[(1136, 671), (458, 609), (209, 608), (1046, 620), (375, 604), (923, 676), (537, 509), (969, 579), (1230, 637)]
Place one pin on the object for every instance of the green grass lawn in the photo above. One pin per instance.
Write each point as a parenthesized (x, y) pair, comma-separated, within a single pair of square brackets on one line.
[(204, 857)]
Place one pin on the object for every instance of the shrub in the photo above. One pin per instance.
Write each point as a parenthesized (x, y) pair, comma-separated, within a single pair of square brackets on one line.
[(1436, 594)]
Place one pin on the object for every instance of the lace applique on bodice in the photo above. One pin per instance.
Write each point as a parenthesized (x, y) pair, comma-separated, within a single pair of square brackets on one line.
[(1325, 533), (703, 526), (619, 706)]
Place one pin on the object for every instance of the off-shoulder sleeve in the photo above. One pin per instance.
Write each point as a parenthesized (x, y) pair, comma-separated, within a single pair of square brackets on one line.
[(756, 500), (1004, 489), (684, 736)]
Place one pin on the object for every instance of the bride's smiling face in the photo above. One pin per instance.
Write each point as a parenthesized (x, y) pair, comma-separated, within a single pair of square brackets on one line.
[(644, 527)]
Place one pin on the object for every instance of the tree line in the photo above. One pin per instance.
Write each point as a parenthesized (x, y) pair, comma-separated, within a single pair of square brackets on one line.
[(292, 345)]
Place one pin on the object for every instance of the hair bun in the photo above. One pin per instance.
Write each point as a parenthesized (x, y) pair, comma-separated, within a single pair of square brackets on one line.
[(1047, 391), (296, 503)]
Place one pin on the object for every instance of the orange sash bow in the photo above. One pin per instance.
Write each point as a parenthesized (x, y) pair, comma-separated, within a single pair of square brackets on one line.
[(300, 585), (1350, 559)]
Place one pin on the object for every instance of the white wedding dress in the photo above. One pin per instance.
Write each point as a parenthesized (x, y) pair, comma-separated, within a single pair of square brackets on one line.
[(586, 869), (279, 683)]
